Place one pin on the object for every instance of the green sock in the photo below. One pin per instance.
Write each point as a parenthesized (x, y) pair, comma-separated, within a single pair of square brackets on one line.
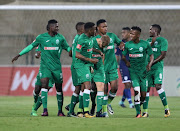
[(145, 104), (44, 95), (137, 106), (73, 102), (80, 109), (35, 96), (93, 96), (38, 103), (111, 97), (59, 96), (104, 103), (86, 99), (162, 96), (100, 95)]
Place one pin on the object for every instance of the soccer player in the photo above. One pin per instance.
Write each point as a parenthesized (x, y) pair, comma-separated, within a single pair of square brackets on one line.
[(51, 44), (125, 33), (155, 75), (98, 76), (138, 51), (36, 91), (76, 81), (84, 50), (110, 66)]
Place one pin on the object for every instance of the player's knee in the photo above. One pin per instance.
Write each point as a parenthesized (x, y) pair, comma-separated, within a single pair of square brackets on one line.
[(158, 86), (137, 93)]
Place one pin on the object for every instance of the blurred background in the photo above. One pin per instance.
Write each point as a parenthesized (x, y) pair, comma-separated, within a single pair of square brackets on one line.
[(18, 28)]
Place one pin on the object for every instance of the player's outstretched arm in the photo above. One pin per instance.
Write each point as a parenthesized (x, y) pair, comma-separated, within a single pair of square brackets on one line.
[(150, 62), (83, 58), (24, 51)]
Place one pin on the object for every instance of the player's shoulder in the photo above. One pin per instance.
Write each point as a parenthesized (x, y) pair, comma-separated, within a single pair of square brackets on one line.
[(144, 42), (149, 39), (60, 35), (161, 39), (110, 34)]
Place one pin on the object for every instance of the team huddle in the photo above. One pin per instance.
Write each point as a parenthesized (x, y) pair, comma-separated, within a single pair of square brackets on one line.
[(95, 53)]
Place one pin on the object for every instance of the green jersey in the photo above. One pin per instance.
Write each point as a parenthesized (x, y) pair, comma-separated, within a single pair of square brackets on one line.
[(51, 48), (95, 54), (161, 44), (137, 54), (110, 61), (84, 47), (74, 44)]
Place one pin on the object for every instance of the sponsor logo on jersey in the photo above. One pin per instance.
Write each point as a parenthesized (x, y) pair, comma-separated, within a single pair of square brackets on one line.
[(154, 49), (89, 50), (51, 48), (110, 47), (135, 55), (57, 41), (79, 46), (96, 55), (140, 49)]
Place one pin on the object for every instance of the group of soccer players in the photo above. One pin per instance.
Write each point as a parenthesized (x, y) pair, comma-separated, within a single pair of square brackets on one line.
[(94, 66)]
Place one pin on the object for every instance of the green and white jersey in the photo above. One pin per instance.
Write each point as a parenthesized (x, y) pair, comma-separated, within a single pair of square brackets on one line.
[(51, 48), (95, 54), (110, 61), (84, 47), (161, 44), (74, 44), (137, 54)]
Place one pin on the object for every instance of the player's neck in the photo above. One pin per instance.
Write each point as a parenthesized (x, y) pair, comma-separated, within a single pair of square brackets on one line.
[(51, 34), (87, 34), (136, 41), (99, 33)]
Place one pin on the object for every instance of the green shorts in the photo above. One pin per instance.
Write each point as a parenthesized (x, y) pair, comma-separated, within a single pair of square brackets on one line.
[(75, 79), (139, 79), (154, 76), (56, 75), (38, 81), (111, 75), (99, 75), (84, 73)]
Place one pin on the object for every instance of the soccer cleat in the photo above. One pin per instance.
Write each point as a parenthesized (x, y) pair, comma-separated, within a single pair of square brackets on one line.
[(44, 114), (122, 104), (80, 114), (87, 115), (131, 105), (167, 113), (99, 114), (67, 107), (106, 114), (34, 113), (60, 114), (93, 109), (138, 116), (109, 107), (145, 114), (71, 115)]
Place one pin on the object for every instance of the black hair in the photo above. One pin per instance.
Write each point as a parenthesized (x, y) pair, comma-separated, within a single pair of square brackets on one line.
[(88, 26), (158, 27), (126, 28), (100, 21), (78, 25), (136, 28), (52, 21)]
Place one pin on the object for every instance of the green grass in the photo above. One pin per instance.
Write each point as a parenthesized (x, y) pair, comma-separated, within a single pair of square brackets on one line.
[(15, 115)]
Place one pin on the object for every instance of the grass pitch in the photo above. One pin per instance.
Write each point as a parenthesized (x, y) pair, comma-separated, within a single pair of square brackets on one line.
[(15, 116)]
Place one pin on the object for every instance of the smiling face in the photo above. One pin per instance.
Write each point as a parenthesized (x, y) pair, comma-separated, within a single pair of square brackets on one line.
[(134, 35), (54, 28)]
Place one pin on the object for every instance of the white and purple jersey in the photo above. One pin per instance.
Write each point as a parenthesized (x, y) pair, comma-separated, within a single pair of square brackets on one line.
[(122, 67)]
